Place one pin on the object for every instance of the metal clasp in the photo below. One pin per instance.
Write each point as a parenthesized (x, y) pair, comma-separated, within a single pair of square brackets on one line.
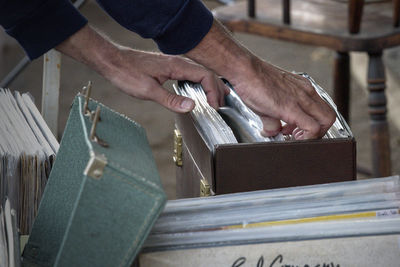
[(177, 148), (205, 188), (93, 135), (96, 165), (87, 90)]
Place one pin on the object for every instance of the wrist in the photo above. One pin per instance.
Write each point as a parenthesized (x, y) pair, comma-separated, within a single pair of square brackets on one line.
[(220, 52)]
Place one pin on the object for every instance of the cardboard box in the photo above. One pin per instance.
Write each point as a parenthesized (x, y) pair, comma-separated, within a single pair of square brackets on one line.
[(246, 167)]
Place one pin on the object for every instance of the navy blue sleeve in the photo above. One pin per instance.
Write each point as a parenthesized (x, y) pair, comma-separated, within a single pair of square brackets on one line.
[(176, 26), (40, 25)]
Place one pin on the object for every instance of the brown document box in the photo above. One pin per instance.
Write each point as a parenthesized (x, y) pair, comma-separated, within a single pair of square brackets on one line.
[(247, 167)]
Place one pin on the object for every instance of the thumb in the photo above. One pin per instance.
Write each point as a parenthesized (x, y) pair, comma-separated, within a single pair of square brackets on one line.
[(171, 101)]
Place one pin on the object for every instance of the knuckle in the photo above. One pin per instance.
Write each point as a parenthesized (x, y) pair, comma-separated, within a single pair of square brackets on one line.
[(174, 64), (172, 100), (209, 76), (308, 87), (288, 114), (313, 94), (212, 100), (146, 92), (172, 60), (305, 98), (304, 103), (314, 129), (331, 118)]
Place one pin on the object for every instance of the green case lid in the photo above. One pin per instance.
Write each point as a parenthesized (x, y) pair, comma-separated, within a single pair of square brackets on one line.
[(100, 203)]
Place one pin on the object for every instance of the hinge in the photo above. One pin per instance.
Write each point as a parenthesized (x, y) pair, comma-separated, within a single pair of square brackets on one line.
[(96, 165), (177, 148), (205, 188)]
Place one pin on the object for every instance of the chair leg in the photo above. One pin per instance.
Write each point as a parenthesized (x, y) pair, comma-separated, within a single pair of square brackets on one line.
[(355, 9), (286, 11), (381, 165), (251, 8), (341, 83), (396, 13)]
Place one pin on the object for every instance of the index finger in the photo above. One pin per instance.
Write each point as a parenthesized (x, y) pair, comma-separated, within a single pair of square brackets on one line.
[(296, 116), (312, 104)]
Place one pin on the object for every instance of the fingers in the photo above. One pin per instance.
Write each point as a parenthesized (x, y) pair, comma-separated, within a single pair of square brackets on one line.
[(298, 134), (279, 94), (310, 128), (305, 127), (215, 89), (323, 114), (314, 105), (326, 116), (271, 126), (288, 129), (227, 91), (141, 74), (171, 101)]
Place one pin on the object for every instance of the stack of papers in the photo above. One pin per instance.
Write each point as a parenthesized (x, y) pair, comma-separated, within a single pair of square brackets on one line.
[(290, 219), (9, 238), (235, 122), (27, 151), (208, 122)]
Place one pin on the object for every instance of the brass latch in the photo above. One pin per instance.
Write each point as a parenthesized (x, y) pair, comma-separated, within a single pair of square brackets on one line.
[(96, 165), (205, 189), (177, 148)]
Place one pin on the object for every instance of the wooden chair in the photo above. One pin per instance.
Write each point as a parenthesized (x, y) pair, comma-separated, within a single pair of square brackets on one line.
[(335, 24)]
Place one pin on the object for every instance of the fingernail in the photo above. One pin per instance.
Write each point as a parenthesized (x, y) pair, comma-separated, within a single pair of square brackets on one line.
[(214, 105), (299, 135), (266, 133), (187, 104)]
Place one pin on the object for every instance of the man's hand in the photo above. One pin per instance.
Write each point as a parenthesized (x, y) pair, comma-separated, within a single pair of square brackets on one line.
[(142, 74), (272, 93), (275, 95)]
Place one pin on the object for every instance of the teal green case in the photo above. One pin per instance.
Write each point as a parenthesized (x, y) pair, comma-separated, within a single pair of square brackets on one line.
[(100, 201)]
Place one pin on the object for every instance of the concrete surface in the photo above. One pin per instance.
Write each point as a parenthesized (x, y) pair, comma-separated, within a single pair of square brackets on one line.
[(159, 122)]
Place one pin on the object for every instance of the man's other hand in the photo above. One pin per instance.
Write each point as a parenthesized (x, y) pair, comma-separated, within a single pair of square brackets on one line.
[(272, 93), (275, 94)]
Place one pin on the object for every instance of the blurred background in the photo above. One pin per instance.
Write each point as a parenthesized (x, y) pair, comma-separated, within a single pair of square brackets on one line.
[(159, 122)]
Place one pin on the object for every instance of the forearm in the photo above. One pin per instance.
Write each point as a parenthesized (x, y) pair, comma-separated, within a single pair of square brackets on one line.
[(89, 47), (138, 73)]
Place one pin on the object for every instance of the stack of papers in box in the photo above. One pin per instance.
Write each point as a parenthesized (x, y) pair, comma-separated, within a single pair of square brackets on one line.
[(207, 120), (235, 122), (27, 151)]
